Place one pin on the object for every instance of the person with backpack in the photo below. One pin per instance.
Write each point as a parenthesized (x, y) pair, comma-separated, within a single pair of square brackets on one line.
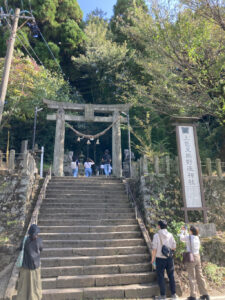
[(29, 285), (194, 267), (75, 167), (163, 246), (106, 160)]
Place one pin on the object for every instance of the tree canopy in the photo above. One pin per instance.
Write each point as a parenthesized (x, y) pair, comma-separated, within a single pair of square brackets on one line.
[(164, 60)]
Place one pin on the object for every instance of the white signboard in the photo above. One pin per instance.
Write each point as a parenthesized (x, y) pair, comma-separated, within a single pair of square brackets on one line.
[(190, 167)]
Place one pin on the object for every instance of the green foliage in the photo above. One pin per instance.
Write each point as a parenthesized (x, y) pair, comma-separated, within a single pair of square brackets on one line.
[(175, 227), (164, 62), (122, 7), (28, 85), (61, 24), (98, 67), (214, 273)]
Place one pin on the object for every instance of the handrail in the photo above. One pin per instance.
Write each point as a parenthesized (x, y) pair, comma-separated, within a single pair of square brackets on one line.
[(11, 287), (139, 218)]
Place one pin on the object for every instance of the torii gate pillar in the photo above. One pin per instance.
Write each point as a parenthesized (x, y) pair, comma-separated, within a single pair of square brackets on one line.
[(116, 146), (59, 143)]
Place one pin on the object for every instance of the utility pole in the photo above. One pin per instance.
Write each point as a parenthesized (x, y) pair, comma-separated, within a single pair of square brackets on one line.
[(8, 61)]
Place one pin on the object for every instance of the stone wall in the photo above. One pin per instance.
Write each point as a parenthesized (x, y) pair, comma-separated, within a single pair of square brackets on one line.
[(17, 191), (159, 196)]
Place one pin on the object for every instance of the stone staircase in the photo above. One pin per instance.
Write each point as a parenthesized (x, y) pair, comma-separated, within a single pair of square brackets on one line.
[(93, 246)]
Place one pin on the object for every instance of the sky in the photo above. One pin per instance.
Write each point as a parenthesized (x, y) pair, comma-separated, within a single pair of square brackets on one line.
[(88, 6)]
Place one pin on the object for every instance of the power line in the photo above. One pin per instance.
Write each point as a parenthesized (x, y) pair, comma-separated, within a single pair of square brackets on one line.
[(6, 6), (10, 28), (30, 7), (25, 47), (52, 54), (32, 49), (49, 49)]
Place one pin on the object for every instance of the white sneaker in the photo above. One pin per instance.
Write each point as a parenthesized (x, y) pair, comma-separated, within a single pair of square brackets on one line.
[(174, 297), (160, 297)]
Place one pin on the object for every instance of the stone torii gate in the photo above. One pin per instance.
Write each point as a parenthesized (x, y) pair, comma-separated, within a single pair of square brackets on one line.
[(88, 115)]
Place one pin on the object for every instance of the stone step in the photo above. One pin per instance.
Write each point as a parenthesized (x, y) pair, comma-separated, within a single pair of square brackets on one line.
[(92, 205), (91, 196), (93, 243), (80, 190), (94, 216), (85, 211), (86, 179), (92, 270), (97, 251), (91, 236), (91, 187), (80, 281), (86, 229), (132, 291), (94, 260), (90, 199), (91, 222)]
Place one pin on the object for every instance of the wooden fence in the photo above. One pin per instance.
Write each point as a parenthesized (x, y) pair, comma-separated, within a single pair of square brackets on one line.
[(166, 166)]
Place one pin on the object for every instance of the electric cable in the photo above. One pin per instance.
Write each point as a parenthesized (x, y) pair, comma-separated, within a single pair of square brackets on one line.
[(10, 28), (6, 6), (21, 2), (30, 7), (25, 47), (32, 49), (43, 38), (52, 54)]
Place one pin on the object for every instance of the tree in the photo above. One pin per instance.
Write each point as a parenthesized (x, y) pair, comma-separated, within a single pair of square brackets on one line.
[(122, 10), (96, 70), (29, 83), (180, 63), (212, 10), (60, 24), (123, 7)]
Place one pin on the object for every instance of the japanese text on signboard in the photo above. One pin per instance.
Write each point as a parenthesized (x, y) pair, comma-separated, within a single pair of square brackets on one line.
[(190, 167)]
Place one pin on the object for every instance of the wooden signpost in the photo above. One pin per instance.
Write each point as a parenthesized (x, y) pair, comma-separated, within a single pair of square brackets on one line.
[(190, 166)]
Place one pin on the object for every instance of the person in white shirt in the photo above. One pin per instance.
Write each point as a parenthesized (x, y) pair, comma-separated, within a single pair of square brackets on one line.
[(163, 237), (87, 167), (194, 269), (74, 167)]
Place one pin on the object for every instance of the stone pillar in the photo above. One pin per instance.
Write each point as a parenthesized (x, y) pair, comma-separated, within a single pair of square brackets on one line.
[(12, 160), (59, 143), (209, 167), (167, 165), (156, 165), (1, 158), (145, 165), (24, 146), (219, 168), (177, 169), (116, 146)]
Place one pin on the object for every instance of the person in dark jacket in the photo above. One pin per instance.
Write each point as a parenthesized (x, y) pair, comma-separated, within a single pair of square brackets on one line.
[(106, 160), (29, 286)]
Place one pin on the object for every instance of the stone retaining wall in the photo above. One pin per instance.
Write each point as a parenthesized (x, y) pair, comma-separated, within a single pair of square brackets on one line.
[(17, 193), (160, 197)]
